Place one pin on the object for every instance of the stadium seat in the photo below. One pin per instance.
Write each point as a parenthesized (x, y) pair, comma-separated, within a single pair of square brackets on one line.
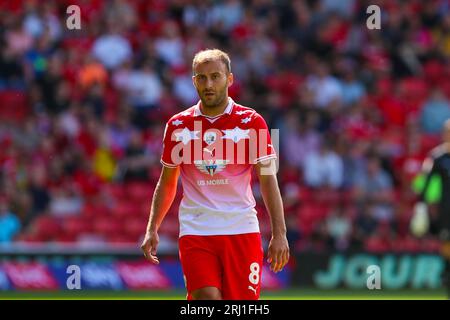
[(445, 87), (308, 216), (170, 226), (95, 210), (111, 105), (28, 237), (107, 226), (134, 228), (405, 244), (75, 226), (66, 238), (376, 244), (46, 227), (434, 71), (124, 239), (139, 191), (127, 208), (415, 91), (116, 190), (431, 245), (13, 106)]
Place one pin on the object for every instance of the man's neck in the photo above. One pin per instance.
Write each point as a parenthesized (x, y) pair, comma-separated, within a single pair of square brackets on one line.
[(214, 111)]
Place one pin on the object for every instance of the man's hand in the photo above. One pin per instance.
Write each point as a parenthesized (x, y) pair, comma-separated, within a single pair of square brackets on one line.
[(278, 253), (150, 245)]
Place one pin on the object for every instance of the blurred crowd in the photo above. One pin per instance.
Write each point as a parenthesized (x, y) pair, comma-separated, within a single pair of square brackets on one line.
[(82, 112)]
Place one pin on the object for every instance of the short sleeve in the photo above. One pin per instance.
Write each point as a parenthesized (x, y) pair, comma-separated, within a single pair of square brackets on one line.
[(168, 146), (266, 149)]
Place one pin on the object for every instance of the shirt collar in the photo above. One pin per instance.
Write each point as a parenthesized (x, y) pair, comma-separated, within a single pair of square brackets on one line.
[(228, 109)]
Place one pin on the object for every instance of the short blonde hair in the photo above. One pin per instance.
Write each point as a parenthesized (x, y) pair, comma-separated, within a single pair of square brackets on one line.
[(211, 55)]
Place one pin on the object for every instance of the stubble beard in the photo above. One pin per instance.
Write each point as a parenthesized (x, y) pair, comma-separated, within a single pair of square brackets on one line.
[(221, 96)]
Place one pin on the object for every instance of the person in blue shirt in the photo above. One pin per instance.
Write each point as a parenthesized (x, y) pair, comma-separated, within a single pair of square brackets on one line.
[(9, 223)]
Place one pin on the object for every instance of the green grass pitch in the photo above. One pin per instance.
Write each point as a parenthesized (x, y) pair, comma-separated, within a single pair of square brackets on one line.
[(290, 294)]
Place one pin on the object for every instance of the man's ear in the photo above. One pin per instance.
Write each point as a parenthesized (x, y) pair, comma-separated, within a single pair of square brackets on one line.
[(193, 81), (230, 79)]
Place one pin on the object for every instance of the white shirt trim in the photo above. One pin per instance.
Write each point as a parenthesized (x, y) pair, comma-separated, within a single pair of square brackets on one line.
[(228, 109)]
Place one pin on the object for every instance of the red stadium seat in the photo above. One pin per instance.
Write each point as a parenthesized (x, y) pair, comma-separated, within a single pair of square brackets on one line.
[(106, 226), (111, 105), (445, 87), (434, 71), (431, 245), (13, 106), (95, 210), (170, 227), (116, 190), (75, 226), (308, 216), (127, 208), (66, 238), (139, 191), (135, 228), (28, 237), (46, 227), (119, 239), (376, 245), (405, 244), (415, 91), (327, 196)]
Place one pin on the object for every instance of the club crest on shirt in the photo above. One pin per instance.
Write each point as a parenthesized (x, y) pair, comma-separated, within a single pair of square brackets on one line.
[(209, 137), (210, 167)]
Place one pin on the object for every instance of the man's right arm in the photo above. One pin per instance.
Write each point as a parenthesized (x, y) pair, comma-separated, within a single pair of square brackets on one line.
[(163, 197)]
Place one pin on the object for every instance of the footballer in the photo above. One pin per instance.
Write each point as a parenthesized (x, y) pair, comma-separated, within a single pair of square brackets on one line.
[(214, 146)]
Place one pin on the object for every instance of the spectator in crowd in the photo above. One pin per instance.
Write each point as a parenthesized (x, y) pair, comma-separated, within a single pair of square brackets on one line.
[(376, 186), (144, 91), (65, 200), (182, 86), (135, 164), (112, 49), (351, 88), (299, 138), (104, 161), (169, 47), (9, 223), (325, 87), (11, 70), (434, 113), (39, 192), (323, 168), (339, 227), (365, 223)]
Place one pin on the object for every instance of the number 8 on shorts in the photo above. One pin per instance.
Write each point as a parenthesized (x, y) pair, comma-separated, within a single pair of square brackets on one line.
[(253, 277)]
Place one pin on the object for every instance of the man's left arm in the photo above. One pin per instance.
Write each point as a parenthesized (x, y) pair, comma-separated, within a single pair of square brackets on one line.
[(278, 251)]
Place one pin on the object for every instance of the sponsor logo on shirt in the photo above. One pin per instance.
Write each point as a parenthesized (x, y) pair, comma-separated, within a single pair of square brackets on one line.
[(211, 167)]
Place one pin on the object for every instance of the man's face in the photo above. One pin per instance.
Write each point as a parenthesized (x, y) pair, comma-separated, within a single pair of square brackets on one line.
[(211, 79)]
